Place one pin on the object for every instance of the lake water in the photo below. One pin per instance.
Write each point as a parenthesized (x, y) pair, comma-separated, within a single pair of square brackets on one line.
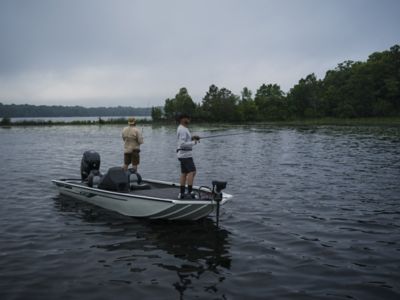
[(316, 215)]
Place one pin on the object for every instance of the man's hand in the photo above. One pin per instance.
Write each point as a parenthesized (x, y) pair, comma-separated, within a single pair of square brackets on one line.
[(196, 139)]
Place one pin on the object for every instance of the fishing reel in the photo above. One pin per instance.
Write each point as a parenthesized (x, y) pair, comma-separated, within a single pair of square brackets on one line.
[(217, 187)]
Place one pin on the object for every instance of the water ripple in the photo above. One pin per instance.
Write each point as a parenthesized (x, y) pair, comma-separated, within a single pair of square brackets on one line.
[(316, 215)]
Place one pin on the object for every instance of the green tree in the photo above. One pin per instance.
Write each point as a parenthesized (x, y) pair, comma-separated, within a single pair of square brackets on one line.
[(220, 105), (304, 98), (182, 103), (364, 89), (170, 108), (156, 113), (271, 102), (5, 121), (336, 90), (247, 108)]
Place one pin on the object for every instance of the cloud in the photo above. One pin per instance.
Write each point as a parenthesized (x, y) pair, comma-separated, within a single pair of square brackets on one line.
[(99, 52)]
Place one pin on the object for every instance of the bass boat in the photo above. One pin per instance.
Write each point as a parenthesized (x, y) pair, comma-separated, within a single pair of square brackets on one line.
[(129, 194)]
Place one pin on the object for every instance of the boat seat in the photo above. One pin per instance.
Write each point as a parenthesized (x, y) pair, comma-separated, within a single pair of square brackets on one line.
[(115, 180), (94, 178), (135, 181)]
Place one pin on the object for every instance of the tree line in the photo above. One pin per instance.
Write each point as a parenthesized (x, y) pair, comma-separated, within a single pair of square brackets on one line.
[(351, 90), (28, 110)]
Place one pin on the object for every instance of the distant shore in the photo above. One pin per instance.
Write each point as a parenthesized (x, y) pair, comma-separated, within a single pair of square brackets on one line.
[(373, 121)]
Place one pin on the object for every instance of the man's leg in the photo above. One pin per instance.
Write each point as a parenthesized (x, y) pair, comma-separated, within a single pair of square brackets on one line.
[(127, 161), (182, 183), (135, 160), (190, 179), (182, 180), (192, 173)]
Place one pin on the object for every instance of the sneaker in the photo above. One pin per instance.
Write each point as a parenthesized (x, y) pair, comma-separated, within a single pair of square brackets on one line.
[(193, 195), (181, 196)]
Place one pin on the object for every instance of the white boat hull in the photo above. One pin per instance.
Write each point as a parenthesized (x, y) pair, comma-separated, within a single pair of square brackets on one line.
[(134, 205)]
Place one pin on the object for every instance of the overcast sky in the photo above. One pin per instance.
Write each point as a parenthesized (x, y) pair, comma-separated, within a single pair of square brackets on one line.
[(138, 53)]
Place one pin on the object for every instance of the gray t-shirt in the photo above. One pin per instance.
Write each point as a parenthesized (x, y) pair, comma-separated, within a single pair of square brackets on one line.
[(185, 143)]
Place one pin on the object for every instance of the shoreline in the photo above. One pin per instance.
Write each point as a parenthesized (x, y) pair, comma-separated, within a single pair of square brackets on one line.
[(372, 121)]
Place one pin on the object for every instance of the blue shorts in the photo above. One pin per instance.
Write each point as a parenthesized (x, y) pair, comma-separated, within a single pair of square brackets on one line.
[(187, 165)]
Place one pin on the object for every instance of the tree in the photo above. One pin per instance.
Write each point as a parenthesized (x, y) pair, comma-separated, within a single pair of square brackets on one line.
[(5, 121), (170, 108), (156, 113), (247, 108), (220, 104), (182, 103), (271, 102), (27, 110), (304, 98), (336, 90)]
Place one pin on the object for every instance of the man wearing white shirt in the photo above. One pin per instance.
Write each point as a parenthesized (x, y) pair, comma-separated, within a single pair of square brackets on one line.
[(184, 153)]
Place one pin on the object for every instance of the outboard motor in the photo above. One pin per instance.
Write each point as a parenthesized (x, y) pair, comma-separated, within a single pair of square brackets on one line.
[(90, 161), (114, 180), (217, 188), (135, 181)]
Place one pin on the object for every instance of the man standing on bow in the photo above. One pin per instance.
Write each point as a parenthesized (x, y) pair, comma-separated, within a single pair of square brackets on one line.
[(184, 153), (132, 138)]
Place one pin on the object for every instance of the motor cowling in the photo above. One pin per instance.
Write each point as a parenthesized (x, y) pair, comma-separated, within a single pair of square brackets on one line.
[(90, 162)]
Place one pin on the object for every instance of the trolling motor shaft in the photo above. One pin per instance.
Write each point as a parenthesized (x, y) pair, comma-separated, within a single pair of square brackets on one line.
[(218, 186)]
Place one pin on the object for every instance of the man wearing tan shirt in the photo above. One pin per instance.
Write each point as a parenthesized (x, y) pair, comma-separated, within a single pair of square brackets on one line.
[(132, 140)]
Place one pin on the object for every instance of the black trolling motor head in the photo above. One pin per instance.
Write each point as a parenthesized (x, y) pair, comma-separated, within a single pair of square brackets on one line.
[(218, 186)]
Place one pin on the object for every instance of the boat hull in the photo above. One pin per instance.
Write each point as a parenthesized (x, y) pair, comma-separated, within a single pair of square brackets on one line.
[(141, 206)]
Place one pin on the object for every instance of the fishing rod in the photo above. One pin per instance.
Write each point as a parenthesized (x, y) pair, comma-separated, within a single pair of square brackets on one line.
[(221, 135)]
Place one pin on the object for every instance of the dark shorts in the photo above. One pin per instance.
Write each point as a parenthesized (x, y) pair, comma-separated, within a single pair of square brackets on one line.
[(132, 158), (187, 165)]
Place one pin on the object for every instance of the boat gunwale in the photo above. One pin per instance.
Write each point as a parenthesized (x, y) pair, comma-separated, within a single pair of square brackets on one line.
[(65, 183)]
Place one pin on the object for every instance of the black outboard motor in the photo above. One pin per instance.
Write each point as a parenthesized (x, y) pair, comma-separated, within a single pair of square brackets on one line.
[(90, 161), (115, 180)]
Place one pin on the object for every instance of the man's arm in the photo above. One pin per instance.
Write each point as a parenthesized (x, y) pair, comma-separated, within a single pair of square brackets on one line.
[(123, 135), (183, 144), (139, 137)]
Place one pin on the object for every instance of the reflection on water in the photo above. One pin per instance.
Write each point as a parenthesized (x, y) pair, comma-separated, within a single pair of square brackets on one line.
[(200, 247)]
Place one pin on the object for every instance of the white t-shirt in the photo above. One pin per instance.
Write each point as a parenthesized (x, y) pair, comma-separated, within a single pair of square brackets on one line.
[(185, 143)]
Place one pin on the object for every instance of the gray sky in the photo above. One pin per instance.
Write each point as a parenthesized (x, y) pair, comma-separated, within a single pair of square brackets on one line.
[(137, 53)]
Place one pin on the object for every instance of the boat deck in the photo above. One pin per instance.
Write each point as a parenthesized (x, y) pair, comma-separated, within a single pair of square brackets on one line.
[(170, 192), (165, 191)]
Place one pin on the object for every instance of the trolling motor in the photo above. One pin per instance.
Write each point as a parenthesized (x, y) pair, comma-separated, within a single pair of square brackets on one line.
[(217, 187)]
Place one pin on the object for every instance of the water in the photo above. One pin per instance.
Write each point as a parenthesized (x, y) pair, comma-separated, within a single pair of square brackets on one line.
[(316, 215)]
